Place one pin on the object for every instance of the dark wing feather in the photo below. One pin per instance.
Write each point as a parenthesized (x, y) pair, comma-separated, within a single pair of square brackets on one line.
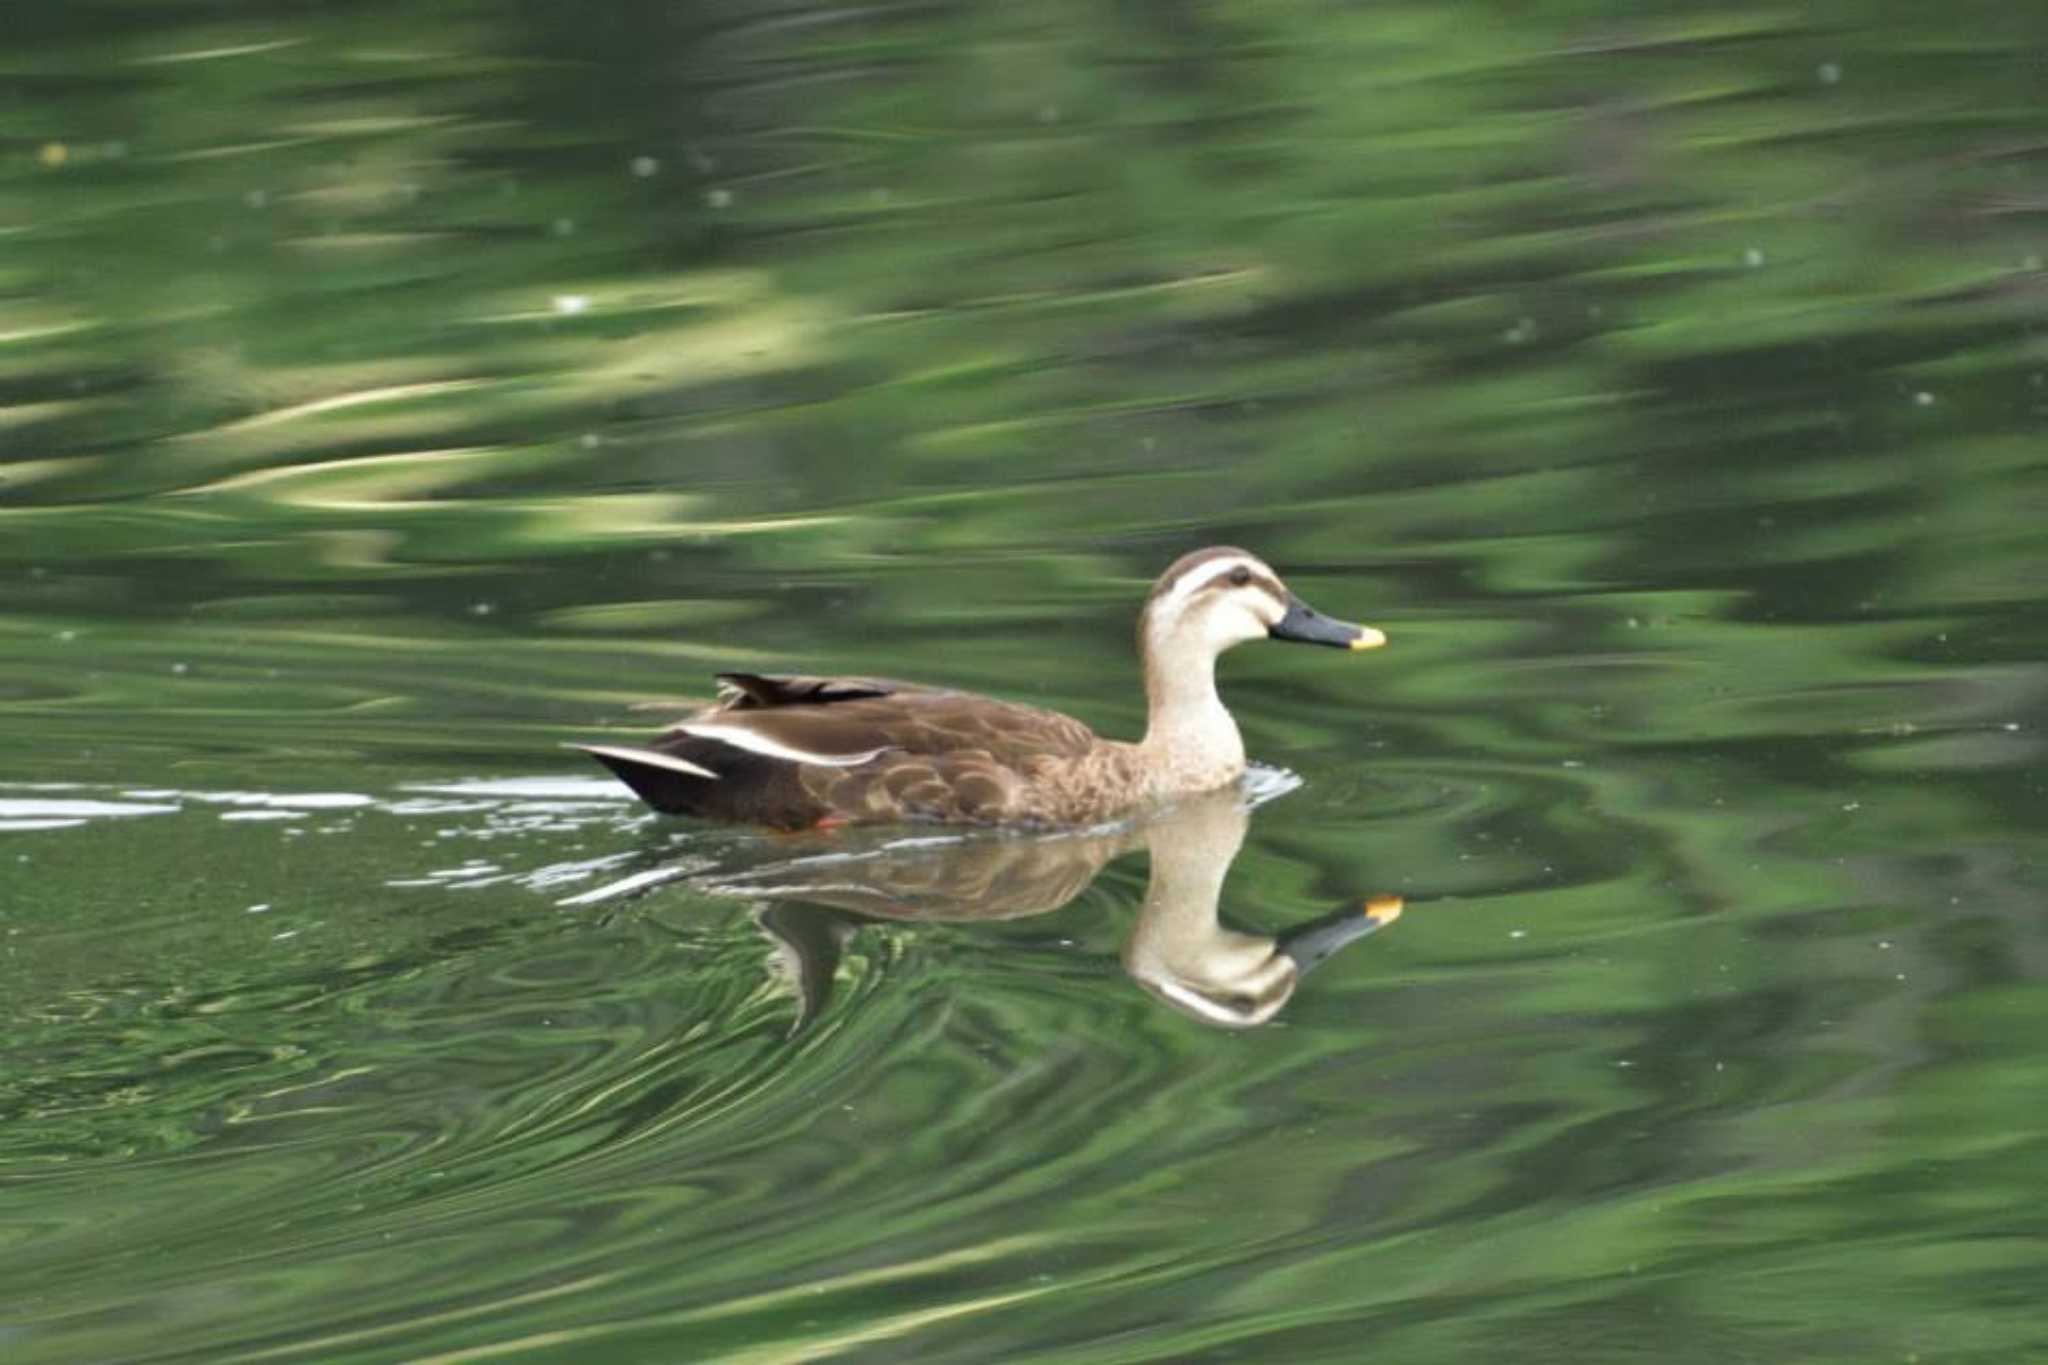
[(755, 691)]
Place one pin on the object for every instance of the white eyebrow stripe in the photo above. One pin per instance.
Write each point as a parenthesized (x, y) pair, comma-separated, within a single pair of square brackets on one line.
[(1205, 574), (740, 737)]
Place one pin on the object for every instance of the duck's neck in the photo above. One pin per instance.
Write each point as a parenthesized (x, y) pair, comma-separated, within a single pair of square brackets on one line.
[(1190, 740)]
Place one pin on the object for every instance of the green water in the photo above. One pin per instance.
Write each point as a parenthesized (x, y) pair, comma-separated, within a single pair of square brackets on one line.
[(390, 394)]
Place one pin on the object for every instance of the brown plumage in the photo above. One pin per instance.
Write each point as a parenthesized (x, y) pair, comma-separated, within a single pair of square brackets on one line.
[(795, 751)]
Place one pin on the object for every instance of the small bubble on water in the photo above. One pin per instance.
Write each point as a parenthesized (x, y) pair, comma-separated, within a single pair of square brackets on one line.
[(481, 608), (1518, 933), (644, 166), (1923, 399), (719, 198), (589, 440), (257, 199), (257, 909), (181, 668), (1830, 73), (2011, 727), (569, 305), (563, 227), (1753, 257), (67, 636), (1522, 331)]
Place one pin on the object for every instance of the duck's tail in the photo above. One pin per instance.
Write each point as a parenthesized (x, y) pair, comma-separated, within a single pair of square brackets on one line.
[(733, 784), (671, 785)]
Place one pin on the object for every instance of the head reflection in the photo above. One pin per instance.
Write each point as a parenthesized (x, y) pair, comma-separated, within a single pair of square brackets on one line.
[(1178, 949)]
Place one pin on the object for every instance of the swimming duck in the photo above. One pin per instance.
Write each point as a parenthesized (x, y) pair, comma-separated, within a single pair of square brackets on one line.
[(796, 752)]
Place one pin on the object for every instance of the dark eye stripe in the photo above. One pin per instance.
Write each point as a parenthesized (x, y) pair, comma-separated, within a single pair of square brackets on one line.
[(1251, 579)]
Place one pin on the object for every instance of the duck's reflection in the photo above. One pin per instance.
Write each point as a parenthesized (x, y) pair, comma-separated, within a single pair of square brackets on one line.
[(1179, 950)]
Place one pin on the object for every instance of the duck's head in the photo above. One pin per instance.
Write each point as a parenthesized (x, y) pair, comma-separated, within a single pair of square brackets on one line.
[(1213, 599)]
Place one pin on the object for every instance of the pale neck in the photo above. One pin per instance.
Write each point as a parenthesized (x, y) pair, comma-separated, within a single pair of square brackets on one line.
[(1187, 731)]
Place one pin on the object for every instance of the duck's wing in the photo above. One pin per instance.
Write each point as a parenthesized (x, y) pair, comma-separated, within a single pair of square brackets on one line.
[(795, 750), (854, 720)]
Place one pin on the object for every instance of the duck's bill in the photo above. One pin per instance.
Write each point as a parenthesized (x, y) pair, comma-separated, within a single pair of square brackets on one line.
[(1303, 624), (1319, 940)]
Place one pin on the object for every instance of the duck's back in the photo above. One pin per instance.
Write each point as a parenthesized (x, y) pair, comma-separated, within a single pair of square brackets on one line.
[(794, 751)]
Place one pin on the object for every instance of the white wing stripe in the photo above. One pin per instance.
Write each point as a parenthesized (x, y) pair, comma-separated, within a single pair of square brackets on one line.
[(648, 758), (740, 737)]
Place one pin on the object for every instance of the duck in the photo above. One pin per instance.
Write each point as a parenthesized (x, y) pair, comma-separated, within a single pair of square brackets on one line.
[(793, 752)]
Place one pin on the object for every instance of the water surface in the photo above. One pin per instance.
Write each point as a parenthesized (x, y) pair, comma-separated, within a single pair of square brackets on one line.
[(390, 395)]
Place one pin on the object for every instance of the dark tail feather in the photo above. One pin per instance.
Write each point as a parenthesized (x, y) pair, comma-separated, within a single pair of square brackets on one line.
[(673, 786)]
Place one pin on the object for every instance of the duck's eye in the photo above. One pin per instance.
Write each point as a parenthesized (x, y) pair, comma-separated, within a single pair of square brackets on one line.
[(1240, 576)]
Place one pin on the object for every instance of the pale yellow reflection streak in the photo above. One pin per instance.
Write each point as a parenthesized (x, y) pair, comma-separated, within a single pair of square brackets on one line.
[(363, 125), (362, 241), (210, 54), (32, 471), (749, 1304), (372, 481), (799, 1293), (54, 329), (22, 414), (389, 394), (389, 483), (450, 1315), (239, 149)]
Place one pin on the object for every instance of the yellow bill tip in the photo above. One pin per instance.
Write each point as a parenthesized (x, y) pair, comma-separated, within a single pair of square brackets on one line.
[(1385, 909), (1368, 638)]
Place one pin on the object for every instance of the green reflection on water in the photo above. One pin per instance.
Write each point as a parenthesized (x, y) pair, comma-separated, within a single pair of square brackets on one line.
[(388, 394)]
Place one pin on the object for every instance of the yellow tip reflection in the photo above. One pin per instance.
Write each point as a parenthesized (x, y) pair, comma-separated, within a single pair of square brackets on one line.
[(1368, 638), (1385, 909)]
